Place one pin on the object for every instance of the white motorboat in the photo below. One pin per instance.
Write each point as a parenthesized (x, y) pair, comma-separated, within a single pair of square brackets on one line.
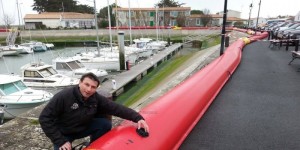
[(36, 46), (1, 52), (43, 76), (16, 98), (26, 50), (72, 67), (108, 59), (99, 62), (49, 46), (156, 45), (142, 48), (11, 50)]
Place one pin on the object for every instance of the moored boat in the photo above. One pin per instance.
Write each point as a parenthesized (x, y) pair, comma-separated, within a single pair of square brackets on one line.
[(11, 50), (44, 76), (36, 46), (72, 67), (16, 98)]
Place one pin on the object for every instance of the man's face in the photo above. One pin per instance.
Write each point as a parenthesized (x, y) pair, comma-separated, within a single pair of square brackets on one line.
[(87, 87)]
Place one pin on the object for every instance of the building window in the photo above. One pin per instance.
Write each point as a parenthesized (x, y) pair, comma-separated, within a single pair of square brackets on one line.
[(173, 22), (132, 13), (187, 13), (85, 24), (151, 14), (174, 13), (67, 24), (160, 13), (198, 21)]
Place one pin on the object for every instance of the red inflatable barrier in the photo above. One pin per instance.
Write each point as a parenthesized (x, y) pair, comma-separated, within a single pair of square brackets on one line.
[(259, 36), (172, 116)]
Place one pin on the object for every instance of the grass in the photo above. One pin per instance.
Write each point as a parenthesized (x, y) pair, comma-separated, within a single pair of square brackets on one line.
[(34, 121), (152, 79)]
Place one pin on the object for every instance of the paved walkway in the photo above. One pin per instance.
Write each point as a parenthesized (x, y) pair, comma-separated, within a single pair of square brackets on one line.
[(258, 108)]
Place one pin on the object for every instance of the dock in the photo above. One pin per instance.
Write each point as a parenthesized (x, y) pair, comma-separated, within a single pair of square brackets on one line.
[(115, 86)]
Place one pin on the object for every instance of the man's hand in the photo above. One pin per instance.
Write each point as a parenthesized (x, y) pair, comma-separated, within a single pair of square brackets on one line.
[(66, 146), (143, 124)]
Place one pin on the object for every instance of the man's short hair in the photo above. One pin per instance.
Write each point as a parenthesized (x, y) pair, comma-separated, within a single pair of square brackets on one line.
[(91, 76)]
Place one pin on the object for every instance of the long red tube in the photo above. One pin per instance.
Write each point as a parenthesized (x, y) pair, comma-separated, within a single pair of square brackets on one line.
[(172, 116)]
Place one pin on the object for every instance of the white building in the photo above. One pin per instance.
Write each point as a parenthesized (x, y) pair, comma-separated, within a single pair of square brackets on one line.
[(261, 22), (59, 20), (231, 13), (297, 16)]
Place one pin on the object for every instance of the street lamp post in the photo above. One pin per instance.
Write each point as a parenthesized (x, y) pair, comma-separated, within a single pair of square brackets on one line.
[(250, 7), (258, 14), (223, 28)]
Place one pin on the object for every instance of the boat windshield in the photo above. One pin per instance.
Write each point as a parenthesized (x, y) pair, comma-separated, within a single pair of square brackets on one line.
[(49, 71), (140, 44), (62, 66), (74, 65), (20, 85), (10, 88)]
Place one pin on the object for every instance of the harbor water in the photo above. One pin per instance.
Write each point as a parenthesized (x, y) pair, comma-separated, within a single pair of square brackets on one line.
[(12, 64)]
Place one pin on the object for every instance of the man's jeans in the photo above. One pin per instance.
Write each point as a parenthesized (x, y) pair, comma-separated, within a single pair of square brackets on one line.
[(98, 127)]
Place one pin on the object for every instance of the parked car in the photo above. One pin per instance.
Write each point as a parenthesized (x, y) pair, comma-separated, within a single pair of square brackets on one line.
[(267, 27), (294, 34), (281, 24), (283, 32), (282, 28), (287, 33)]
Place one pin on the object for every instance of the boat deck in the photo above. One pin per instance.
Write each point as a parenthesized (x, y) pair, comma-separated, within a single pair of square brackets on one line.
[(136, 72), (258, 108)]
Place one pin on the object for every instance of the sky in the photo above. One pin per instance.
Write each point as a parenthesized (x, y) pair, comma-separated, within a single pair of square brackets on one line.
[(269, 8)]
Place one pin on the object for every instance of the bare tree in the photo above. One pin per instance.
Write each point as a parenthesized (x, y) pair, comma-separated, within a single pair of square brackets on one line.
[(181, 19), (206, 17), (8, 20)]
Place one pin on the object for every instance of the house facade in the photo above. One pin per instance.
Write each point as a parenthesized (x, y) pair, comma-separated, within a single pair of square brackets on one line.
[(216, 19), (59, 20), (195, 20), (152, 16)]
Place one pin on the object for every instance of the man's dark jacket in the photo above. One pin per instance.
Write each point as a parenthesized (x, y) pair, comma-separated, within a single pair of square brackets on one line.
[(67, 113)]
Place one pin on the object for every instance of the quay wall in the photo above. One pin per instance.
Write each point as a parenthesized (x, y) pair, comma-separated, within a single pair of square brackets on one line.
[(102, 32)]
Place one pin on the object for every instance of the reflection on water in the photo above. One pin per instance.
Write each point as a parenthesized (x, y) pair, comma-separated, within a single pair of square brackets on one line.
[(12, 64)]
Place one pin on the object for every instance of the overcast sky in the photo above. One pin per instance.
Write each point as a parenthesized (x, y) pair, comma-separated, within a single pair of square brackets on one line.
[(269, 8)]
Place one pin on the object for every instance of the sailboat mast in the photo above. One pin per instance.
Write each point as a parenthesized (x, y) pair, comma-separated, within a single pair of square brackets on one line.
[(117, 17), (129, 19), (19, 18), (156, 19), (18, 13), (96, 24), (3, 15), (109, 25)]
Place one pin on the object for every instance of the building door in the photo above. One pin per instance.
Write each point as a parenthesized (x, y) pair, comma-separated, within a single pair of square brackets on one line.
[(67, 24), (151, 18)]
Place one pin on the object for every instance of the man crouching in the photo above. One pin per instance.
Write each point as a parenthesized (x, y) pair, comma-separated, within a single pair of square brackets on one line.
[(72, 114)]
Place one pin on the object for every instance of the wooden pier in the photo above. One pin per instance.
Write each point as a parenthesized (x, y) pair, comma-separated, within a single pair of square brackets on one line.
[(115, 86)]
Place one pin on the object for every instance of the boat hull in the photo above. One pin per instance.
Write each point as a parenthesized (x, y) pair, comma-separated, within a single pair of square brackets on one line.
[(13, 110)]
